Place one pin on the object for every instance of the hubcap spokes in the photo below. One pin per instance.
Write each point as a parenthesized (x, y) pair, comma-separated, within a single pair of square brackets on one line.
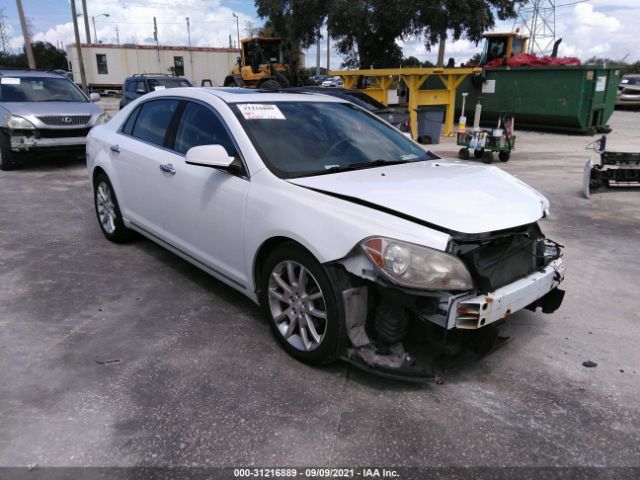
[(106, 208), (297, 305)]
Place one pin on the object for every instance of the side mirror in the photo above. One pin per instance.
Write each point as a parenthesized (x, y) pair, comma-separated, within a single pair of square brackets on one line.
[(95, 97), (214, 156)]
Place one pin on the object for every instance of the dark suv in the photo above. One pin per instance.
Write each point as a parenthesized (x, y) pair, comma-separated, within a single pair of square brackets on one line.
[(140, 84)]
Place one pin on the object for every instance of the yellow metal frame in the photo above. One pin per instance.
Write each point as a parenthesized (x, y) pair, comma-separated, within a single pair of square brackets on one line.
[(414, 78)]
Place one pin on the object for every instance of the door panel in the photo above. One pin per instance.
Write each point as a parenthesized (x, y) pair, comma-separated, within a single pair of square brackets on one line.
[(137, 156), (204, 207), (204, 216)]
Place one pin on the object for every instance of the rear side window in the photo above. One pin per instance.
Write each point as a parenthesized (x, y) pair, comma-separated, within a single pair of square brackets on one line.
[(153, 121), (127, 128), (201, 126)]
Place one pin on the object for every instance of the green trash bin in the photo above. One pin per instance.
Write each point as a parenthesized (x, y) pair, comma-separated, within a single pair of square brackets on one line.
[(430, 120)]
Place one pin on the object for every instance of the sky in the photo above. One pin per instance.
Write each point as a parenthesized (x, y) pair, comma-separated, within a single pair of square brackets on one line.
[(604, 28)]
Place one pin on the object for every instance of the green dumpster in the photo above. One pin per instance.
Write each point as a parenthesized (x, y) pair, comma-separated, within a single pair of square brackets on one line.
[(577, 99)]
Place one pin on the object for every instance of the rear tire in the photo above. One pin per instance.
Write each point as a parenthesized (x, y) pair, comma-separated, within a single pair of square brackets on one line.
[(463, 154), (478, 154), (108, 211), (7, 158), (487, 157), (270, 85), (504, 156), (301, 305)]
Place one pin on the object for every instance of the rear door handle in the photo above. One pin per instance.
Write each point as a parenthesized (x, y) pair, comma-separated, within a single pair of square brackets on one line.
[(115, 148), (168, 168)]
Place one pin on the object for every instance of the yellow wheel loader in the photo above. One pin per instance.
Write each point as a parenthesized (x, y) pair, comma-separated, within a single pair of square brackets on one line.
[(264, 64)]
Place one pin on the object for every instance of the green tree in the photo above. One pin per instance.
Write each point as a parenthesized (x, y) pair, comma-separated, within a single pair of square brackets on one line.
[(46, 55), (366, 31)]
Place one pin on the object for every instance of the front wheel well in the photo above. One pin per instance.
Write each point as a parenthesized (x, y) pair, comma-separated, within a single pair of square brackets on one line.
[(97, 171), (263, 253)]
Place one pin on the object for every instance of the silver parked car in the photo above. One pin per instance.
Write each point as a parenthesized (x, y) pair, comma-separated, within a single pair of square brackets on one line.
[(42, 112), (629, 91)]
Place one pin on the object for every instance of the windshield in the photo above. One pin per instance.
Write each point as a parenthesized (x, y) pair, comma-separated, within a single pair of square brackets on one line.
[(39, 89), (169, 82), (298, 139)]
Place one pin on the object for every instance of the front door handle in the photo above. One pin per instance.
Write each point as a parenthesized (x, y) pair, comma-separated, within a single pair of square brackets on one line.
[(115, 148), (168, 168)]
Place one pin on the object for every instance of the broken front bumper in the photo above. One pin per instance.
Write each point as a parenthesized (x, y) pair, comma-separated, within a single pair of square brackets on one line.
[(24, 143), (469, 311)]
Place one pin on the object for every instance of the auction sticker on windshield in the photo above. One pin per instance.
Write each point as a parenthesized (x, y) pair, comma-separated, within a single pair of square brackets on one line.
[(10, 81), (260, 111)]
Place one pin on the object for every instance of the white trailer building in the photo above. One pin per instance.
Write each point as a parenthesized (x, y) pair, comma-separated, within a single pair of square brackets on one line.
[(106, 66)]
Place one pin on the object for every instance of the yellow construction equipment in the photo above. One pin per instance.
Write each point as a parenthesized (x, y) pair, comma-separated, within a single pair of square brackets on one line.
[(382, 80), (502, 45), (263, 64)]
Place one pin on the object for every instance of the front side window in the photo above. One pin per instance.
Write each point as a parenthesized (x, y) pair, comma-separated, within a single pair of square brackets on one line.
[(200, 126), (39, 89), (297, 139), (101, 60), (153, 121)]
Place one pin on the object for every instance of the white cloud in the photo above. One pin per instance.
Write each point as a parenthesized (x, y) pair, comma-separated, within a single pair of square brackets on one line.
[(211, 23)]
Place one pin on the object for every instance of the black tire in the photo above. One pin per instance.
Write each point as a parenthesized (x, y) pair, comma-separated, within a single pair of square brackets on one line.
[(332, 341), (7, 158), (478, 154), (463, 154), (504, 156), (231, 84), (487, 157), (270, 85), (120, 233)]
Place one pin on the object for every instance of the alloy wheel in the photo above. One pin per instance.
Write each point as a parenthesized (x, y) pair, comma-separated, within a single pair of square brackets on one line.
[(106, 207), (297, 305)]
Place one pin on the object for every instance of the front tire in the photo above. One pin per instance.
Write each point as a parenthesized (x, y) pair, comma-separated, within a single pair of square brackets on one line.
[(108, 211), (301, 305), (7, 160)]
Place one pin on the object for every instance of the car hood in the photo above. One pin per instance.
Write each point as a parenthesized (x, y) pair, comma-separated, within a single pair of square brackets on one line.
[(454, 196), (26, 109)]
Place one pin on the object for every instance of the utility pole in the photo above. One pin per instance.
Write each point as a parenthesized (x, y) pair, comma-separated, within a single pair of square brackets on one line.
[(328, 49), (538, 17), (27, 36), (155, 37), (190, 51), (85, 13), (441, 46), (76, 32), (117, 35), (237, 27), (318, 54)]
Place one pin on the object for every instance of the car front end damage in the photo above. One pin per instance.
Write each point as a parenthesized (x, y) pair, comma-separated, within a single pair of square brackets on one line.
[(44, 134), (487, 278)]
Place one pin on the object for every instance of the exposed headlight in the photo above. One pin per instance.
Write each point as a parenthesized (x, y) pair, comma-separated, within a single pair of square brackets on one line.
[(102, 118), (415, 266), (19, 123)]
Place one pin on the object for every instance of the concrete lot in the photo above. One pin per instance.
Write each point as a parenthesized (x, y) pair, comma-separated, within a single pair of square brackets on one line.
[(194, 377)]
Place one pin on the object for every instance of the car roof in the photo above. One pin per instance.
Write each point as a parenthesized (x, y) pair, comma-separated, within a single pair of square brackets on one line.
[(29, 73), (242, 95)]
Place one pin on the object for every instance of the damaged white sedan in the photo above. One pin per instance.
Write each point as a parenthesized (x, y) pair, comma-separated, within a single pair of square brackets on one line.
[(346, 232)]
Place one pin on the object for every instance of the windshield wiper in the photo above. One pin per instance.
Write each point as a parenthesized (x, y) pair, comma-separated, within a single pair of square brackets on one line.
[(360, 166)]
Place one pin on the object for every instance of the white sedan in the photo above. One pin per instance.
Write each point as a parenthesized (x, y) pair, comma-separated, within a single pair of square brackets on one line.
[(344, 230)]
